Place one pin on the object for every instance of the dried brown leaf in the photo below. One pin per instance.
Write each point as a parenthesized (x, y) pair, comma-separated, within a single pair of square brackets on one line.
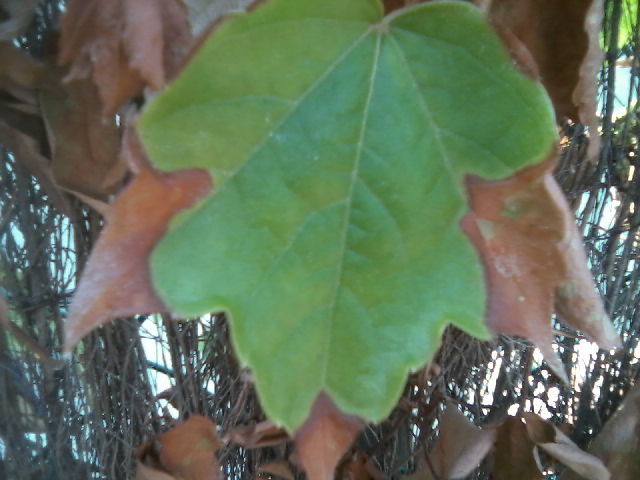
[(186, 452), (461, 445), (459, 449), (84, 144), (549, 438), (513, 455), (526, 235), (563, 39), (27, 151), (324, 438), (124, 44), (260, 435), (618, 444), (585, 92), (115, 281)]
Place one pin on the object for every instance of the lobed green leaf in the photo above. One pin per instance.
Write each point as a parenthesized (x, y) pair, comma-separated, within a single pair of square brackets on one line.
[(338, 141)]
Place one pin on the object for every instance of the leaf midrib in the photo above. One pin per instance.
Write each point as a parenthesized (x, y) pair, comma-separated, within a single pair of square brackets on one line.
[(347, 215)]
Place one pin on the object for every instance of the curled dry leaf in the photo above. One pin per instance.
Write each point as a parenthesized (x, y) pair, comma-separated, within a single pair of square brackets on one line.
[(84, 144), (115, 282), (618, 444), (260, 435), (186, 452), (550, 438), (526, 235), (21, 128), (513, 455), (460, 447), (27, 151), (20, 75), (124, 44), (324, 438), (563, 39), (584, 95)]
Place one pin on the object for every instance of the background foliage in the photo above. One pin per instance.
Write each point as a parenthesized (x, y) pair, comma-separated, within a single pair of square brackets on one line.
[(84, 418)]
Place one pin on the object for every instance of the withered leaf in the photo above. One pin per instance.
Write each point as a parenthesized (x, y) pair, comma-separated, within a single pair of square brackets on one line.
[(513, 455), (618, 444), (460, 447), (563, 39), (550, 438), (27, 151), (525, 233), (115, 282), (84, 144), (186, 452), (124, 44), (324, 438)]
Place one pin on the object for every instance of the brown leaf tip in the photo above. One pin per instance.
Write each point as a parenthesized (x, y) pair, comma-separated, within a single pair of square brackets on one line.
[(325, 437)]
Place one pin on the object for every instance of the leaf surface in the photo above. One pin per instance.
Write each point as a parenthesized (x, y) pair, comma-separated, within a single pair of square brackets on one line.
[(338, 142)]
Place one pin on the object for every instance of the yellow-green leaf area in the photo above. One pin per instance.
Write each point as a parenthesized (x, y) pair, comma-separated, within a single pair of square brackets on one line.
[(338, 142)]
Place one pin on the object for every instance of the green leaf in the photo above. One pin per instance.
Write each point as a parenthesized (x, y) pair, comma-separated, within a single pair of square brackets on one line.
[(338, 141)]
